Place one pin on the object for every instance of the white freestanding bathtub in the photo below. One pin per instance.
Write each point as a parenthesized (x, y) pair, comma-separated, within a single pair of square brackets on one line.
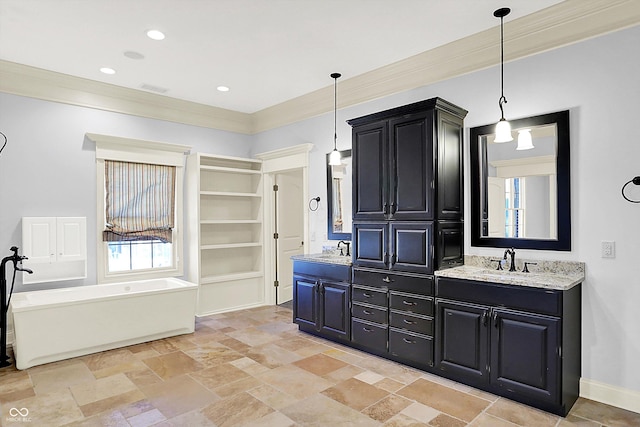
[(58, 324)]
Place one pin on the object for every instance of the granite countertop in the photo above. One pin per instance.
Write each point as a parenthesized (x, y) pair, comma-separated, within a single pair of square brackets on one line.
[(557, 275), (327, 258)]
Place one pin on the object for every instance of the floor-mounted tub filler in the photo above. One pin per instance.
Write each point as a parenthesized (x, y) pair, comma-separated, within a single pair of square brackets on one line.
[(59, 324)]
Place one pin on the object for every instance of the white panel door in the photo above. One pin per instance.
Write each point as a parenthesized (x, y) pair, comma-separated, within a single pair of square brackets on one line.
[(39, 239), (290, 228), (71, 239)]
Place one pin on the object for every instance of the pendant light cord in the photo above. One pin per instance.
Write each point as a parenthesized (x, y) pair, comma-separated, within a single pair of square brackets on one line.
[(502, 99), (335, 110)]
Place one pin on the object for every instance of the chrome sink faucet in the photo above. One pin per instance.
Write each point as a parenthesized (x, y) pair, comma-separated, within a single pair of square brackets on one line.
[(512, 253)]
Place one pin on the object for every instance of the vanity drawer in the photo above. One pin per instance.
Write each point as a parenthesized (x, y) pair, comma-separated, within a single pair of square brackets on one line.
[(411, 346), (411, 302), (369, 334), (369, 312), (418, 283), (375, 296), (539, 300), (403, 320)]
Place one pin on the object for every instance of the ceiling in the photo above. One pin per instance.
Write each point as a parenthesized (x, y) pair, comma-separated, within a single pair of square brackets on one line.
[(266, 51)]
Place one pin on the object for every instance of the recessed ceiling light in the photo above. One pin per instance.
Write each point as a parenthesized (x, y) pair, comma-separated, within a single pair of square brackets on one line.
[(133, 55), (107, 70), (155, 35), (223, 88)]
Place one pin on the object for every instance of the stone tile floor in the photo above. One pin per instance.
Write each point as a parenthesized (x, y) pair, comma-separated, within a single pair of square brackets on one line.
[(254, 368)]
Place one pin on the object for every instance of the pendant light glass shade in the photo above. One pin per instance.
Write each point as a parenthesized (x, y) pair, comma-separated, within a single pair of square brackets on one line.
[(334, 158), (503, 131), (524, 140)]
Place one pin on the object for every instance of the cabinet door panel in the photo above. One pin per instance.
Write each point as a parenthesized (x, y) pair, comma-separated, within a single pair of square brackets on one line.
[(370, 171), (450, 171), (411, 246), (39, 239), (523, 353), (450, 244), (462, 339), (71, 239), (411, 167), (305, 304), (371, 240), (335, 317)]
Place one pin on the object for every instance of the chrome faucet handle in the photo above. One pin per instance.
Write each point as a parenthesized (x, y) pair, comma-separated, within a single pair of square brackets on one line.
[(526, 266)]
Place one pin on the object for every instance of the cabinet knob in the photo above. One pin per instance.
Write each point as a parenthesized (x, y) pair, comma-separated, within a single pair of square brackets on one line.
[(386, 280)]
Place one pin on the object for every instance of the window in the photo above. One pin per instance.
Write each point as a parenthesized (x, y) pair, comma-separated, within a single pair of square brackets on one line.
[(514, 209), (139, 209)]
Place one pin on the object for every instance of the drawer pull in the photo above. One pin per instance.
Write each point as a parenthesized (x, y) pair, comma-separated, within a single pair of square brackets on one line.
[(367, 329), (366, 295), (386, 280), (367, 312), (409, 322), (411, 303), (408, 341)]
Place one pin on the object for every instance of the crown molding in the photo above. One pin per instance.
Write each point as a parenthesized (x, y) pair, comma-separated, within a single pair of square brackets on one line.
[(34, 82), (562, 24), (565, 23)]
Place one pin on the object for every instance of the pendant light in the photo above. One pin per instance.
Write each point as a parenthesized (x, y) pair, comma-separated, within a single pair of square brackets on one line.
[(334, 157), (525, 142), (503, 128)]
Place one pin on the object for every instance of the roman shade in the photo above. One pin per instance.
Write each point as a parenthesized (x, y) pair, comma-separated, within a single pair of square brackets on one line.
[(140, 201)]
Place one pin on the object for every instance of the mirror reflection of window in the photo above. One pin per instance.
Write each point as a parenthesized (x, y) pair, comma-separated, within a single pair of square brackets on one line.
[(337, 204), (514, 211)]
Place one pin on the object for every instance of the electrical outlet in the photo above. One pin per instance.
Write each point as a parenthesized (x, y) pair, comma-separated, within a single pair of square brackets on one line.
[(608, 249)]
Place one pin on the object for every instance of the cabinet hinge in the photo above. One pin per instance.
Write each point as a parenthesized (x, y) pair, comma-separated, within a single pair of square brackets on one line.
[(276, 283), (275, 187), (275, 236)]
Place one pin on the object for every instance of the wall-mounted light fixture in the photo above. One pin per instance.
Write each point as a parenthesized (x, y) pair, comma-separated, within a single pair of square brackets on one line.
[(334, 158), (503, 128)]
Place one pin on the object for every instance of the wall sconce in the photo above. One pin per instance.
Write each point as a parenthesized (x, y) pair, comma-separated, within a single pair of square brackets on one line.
[(503, 128), (334, 158)]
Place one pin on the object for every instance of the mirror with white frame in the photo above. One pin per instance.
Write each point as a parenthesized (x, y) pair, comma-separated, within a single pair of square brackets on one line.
[(520, 189), (339, 198)]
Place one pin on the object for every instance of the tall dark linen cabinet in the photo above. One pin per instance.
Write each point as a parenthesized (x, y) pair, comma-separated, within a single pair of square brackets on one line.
[(408, 187), (407, 222)]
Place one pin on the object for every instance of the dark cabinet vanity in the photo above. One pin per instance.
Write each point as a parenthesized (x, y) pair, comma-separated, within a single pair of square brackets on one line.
[(322, 298), (516, 341), (406, 295)]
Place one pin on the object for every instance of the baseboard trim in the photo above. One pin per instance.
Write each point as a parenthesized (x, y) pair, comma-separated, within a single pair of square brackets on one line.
[(609, 394)]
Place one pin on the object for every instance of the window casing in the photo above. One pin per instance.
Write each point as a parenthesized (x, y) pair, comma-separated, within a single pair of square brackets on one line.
[(130, 150)]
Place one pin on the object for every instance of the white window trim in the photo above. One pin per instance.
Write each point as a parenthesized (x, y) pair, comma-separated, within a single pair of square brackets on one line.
[(138, 151)]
